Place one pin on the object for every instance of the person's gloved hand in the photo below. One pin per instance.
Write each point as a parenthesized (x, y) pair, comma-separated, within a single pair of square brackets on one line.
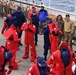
[(53, 32), (9, 71)]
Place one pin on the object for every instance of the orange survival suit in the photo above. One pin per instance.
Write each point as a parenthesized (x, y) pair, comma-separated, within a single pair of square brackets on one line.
[(12, 43), (53, 36), (56, 60), (29, 39)]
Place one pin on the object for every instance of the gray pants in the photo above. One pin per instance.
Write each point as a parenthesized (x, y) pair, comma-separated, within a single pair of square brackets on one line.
[(68, 38), (40, 27)]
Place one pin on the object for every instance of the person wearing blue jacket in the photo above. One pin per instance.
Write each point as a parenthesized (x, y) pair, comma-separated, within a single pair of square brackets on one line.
[(20, 19), (10, 20), (35, 21), (43, 15), (46, 38)]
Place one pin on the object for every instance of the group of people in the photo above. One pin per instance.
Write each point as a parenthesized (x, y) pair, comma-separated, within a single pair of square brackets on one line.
[(61, 54)]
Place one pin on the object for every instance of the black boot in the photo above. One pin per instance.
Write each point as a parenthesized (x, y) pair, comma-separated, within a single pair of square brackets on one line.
[(45, 57), (35, 43), (20, 44)]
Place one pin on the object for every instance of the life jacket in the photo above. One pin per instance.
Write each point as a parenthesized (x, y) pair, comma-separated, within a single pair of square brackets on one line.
[(65, 56)]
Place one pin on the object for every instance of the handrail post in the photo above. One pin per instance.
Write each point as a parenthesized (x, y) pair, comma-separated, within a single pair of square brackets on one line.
[(49, 3)]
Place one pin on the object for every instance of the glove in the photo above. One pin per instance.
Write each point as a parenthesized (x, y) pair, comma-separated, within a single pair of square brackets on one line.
[(9, 71), (53, 32)]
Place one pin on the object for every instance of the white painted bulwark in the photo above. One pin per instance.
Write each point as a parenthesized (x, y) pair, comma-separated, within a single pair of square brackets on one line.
[(52, 11)]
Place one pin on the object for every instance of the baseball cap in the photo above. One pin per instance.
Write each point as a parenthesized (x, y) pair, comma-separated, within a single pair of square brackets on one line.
[(18, 8), (41, 60)]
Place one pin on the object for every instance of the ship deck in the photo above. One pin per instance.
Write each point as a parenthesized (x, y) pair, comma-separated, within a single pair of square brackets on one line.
[(25, 64)]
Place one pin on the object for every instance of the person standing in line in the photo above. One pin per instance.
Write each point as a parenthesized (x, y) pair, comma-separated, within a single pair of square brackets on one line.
[(43, 15), (68, 29), (46, 38), (60, 24), (30, 30), (30, 12), (20, 19), (35, 21)]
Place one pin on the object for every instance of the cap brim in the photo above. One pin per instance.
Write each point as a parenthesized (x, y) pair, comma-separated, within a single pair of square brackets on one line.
[(43, 64)]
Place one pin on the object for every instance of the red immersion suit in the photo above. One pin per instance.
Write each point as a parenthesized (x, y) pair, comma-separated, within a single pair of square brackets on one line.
[(53, 36), (29, 40), (35, 71), (57, 61), (12, 43), (5, 56)]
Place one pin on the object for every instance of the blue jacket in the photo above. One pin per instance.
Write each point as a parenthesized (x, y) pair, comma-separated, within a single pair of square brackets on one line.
[(35, 20), (46, 37), (43, 70), (42, 15), (20, 17), (10, 21)]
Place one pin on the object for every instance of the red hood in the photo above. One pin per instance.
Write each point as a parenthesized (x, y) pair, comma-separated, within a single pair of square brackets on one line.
[(65, 45), (33, 6)]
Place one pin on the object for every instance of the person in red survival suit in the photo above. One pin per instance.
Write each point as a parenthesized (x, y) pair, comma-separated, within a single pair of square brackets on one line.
[(62, 60), (5, 56), (12, 42), (30, 30), (53, 36), (39, 68), (31, 11)]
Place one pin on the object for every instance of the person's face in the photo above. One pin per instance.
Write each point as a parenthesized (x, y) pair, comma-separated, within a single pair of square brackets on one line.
[(59, 18), (33, 8), (67, 18), (42, 7), (4, 18), (19, 10), (28, 21)]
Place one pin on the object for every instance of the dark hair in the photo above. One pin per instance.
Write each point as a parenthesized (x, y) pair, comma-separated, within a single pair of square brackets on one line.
[(67, 15), (58, 17)]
